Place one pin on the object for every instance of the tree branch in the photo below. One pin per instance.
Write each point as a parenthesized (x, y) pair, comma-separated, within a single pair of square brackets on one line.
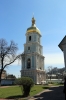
[(12, 61)]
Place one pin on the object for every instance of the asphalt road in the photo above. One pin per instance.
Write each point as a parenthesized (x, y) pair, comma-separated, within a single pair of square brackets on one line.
[(53, 93)]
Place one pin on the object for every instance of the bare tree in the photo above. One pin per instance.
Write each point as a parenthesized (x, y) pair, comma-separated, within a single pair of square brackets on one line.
[(7, 54), (50, 71)]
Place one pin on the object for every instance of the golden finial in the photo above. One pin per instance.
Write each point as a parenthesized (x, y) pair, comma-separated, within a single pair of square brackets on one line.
[(33, 21)]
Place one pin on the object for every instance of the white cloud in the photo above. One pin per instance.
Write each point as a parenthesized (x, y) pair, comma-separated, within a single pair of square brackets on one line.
[(54, 58), (20, 51), (16, 63), (50, 59)]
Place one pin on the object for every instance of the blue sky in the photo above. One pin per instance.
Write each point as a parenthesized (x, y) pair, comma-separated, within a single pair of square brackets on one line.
[(50, 15)]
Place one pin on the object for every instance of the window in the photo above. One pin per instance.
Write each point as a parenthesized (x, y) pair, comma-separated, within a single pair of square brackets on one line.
[(28, 63), (28, 48), (29, 38)]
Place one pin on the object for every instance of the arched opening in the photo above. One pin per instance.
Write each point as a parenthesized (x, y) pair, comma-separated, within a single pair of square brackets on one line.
[(28, 63), (29, 38)]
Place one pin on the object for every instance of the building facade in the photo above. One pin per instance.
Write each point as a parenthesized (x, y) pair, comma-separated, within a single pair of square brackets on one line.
[(62, 46), (32, 58), (4, 74)]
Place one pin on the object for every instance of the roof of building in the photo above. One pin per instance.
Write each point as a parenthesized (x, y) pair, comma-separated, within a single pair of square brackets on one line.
[(33, 27), (63, 42)]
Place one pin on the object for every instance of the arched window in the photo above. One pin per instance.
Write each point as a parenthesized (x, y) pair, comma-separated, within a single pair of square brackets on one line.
[(28, 63), (28, 48), (29, 38)]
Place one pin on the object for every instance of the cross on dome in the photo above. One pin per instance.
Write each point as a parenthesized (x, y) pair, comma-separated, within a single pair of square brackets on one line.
[(33, 21)]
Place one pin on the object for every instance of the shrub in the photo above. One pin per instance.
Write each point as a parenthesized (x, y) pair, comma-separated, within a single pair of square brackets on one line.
[(26, 83)]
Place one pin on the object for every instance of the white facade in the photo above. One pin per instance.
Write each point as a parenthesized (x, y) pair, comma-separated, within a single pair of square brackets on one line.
[(32, 58)]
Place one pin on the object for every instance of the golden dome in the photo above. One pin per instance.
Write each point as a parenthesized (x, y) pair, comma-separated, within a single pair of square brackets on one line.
[(33, 27)]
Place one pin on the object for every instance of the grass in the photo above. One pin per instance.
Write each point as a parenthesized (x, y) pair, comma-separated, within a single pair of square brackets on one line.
[(10, 91), (15, 91), (37, 88), (55, 83)]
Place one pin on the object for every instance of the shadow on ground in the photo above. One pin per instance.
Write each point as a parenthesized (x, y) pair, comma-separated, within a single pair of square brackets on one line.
[(15, 97), (54, 93)]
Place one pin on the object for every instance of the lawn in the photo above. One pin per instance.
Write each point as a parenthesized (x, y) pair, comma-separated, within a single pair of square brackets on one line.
[(15, 91)]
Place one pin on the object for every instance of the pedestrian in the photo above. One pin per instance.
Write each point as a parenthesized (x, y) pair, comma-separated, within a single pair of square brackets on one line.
[(64, 90)]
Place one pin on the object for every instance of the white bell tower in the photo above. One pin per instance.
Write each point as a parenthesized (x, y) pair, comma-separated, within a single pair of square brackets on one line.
[(32, 58)]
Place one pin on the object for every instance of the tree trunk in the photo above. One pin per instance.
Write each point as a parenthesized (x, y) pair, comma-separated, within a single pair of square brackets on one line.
[(0, 78), (2, 68), (0, 75)]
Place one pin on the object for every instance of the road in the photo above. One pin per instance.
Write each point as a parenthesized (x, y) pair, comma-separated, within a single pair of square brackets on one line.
[(53, 93)]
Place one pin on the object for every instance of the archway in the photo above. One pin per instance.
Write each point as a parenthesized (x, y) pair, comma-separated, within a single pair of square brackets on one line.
[(28, 63)]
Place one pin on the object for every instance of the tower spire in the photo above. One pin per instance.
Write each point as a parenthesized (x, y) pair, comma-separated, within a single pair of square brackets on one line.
[(33, 21)]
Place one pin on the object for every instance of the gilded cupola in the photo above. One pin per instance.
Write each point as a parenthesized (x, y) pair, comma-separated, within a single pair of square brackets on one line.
[(33, 27)]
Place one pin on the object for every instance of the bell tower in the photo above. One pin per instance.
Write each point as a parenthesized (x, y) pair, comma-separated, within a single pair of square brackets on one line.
[(32, 58)]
